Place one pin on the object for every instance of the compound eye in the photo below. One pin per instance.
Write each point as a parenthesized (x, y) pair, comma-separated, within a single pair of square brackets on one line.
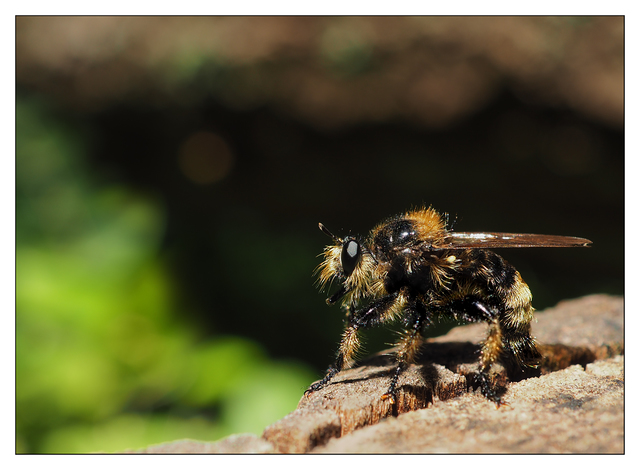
[(350, 256)]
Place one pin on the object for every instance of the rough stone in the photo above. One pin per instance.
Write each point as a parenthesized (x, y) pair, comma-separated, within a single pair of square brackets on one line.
[(234, 444), (576, 405), (567, 409)]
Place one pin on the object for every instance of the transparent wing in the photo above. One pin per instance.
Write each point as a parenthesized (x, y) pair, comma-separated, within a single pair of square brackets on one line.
[(460, 240)]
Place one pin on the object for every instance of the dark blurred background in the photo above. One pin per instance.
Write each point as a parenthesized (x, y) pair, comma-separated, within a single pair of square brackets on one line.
[(171, 173)]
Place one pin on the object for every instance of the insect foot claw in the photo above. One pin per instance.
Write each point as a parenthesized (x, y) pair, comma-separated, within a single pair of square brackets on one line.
[(500, 402), (490, 390), (321, 383), (388, 397), (313, 388)]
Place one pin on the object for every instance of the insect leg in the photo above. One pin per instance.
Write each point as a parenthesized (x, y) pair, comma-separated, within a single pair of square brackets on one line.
[(476, 309), (509, 342), (375, 313), (407, 348), (521, 345)]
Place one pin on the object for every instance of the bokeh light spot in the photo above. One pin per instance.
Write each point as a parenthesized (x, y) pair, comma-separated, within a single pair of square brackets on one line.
[(205, 158)]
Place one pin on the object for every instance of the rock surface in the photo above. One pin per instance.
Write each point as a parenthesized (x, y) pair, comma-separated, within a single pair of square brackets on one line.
[(575, 406), (235, 444), (569, 411)]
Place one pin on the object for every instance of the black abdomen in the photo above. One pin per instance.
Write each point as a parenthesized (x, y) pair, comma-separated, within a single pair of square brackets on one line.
[(488, 269)]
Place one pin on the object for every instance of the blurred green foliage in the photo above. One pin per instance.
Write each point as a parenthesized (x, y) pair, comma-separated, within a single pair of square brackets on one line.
[(105, 361)]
